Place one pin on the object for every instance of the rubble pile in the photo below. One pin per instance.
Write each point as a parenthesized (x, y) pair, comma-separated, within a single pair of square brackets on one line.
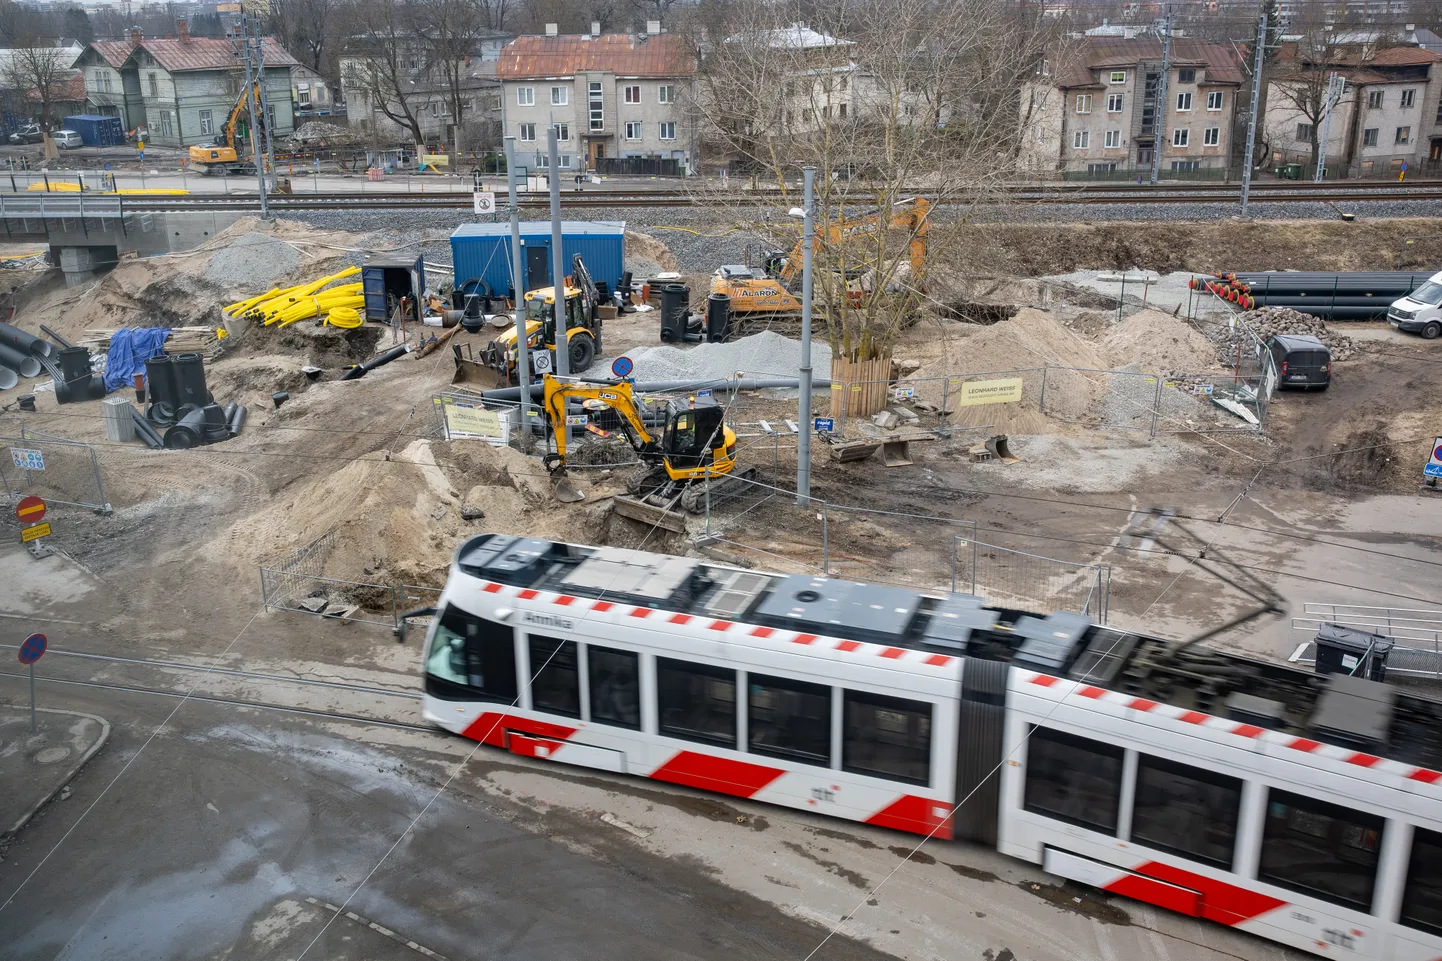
[(1267, 321)]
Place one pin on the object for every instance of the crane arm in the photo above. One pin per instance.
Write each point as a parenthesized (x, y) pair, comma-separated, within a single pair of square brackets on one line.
[(618, 397), (241, 103)]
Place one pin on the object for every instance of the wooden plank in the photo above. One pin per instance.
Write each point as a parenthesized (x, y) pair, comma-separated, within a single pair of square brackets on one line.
[(650, 515)]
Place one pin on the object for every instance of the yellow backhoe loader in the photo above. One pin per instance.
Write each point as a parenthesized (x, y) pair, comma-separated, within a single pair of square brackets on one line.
[(583, 332), (694, 456), (769, 282), (224, 156)]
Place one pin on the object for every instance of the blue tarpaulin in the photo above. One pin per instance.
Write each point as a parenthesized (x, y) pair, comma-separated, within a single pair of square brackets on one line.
[(129, 350)]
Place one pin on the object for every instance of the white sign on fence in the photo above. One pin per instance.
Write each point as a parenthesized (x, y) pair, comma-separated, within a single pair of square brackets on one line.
[(27, 459), (485, 202)]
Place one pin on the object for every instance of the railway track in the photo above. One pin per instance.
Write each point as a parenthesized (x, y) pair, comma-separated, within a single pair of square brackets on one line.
[(1080, 194)]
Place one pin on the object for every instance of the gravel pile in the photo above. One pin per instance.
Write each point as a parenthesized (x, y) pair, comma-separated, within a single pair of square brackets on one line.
[(1266, 321), (766, 354), (1131, 395), (252, 260)]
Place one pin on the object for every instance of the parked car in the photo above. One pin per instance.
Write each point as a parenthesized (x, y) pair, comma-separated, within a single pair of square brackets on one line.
[(30, 133), (1303, 362), (68, 139), (1420, 312)]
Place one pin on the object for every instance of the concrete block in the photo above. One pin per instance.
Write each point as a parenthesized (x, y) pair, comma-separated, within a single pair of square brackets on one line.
[(885, 419), (119, 419)]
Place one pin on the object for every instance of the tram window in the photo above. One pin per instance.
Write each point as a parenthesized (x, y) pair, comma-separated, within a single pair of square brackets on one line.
[(697, 702), (887, 736), (1073, 779), (555, 683), (471, 659), (1422, 903), (1321, 849), (1186, 810), (615, 687), (788, 719)]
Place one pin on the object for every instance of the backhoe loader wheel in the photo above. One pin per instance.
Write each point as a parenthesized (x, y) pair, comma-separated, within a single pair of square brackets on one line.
[(583, 351)]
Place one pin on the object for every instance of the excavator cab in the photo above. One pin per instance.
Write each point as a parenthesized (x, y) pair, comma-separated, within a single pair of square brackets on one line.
[(695, 439)]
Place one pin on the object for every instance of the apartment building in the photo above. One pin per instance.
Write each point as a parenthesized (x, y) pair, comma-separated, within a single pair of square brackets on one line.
[(620, 101), (1106, 111), (1388, 111)]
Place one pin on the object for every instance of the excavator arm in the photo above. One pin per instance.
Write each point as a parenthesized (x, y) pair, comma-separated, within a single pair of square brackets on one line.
[(912, 215), (618, 397)]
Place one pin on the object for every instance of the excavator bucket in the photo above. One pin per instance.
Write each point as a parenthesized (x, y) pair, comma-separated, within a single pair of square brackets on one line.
[(564, 490), (474, 372), (896, 453), (998, 448)]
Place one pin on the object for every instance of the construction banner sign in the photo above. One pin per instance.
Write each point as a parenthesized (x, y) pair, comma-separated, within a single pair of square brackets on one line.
[(465, 420), (1004, 391)]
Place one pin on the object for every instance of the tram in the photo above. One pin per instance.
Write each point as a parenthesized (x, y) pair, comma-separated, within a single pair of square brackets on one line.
[(1303, 808)]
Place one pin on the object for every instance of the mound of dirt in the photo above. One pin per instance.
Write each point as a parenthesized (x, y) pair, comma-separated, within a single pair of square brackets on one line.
[(646, 256), (1159, 343)]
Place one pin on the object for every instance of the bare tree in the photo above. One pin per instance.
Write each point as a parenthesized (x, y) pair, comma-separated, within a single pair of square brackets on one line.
[(304, 27), (884, 99), (386, 61), (452, 30), (1301, 75), (36, 70)]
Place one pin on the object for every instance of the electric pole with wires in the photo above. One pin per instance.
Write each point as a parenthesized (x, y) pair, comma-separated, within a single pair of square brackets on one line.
[(1163, 85)]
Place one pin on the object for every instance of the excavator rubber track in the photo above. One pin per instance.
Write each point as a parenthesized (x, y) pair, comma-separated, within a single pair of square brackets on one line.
[(721, 490)]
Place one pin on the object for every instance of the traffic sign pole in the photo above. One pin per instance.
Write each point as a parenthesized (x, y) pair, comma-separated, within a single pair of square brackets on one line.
[(33, 728), (30, 652)]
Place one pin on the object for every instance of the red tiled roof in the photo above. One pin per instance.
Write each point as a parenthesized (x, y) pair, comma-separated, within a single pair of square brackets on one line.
[(624, 54), (114, 52), (1393, 57), (1219, 61), (66, 91), (208, 53)]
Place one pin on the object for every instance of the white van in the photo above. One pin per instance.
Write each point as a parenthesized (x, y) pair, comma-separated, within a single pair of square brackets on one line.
[(1420, 312)]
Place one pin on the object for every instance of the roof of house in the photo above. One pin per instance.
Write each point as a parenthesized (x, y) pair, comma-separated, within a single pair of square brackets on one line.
[(208, 53), (1392, 57), (624, 54), (798, 36), (114, 52), (70, 90), (1218, 60)]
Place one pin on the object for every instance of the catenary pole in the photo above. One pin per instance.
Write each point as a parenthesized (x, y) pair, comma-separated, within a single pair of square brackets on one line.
[(558, 259), (1163, 86), (808, 244), (523, 359), (1256, 102)]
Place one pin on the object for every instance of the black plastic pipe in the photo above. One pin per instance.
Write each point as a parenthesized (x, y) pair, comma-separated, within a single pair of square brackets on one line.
[(146, 432), (355, 373), (236, 420), (55, 337), (25, 343), (24, 364)]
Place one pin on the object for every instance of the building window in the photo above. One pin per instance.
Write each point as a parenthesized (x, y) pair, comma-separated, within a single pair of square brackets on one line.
[(207, 121), (1083, 103), (1212, 137), (1118, 77), (788, 719), (1186, 166), (1304, 132), (1181, 137), (841, 111), (1186, 810), (886, 737), (1409, 99), (166, 129), (471, 659), (668, 130), (1187, 75), (1375, 98), (560, 96), (696, 702), (1403, 136), (527, 131), (1215, 99), (633, 130), (1439, 111), (1321, 849), (1113, 138), (1422, 902), (1184, 101), (302, 96), (633, 94), (525, 96), (1073, 779), (555, 676), (565, 160), (154, 79), (1114, 103), (666, 93), (615, 687), (597, 106), (1101, 168), (1081, 139), (563, 132), (1371, 137)]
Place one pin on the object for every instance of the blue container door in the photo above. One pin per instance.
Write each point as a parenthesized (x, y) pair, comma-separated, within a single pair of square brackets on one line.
[(373, 288)]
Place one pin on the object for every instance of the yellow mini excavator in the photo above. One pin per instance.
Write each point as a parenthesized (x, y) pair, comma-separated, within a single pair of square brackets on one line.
[(694, 455)]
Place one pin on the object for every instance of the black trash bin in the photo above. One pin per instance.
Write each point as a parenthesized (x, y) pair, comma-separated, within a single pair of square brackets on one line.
[(675, 303), (1340, 650), (718, 317)]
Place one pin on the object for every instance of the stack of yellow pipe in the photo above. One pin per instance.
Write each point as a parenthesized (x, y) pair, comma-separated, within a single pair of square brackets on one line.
[(280, 307)]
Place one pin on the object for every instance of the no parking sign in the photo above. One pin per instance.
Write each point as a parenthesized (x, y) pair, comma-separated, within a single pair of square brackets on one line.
[(1434, 464)]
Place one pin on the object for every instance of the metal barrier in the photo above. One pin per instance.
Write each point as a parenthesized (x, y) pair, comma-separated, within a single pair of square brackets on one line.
[(1416, 634), (1002, 574), (60, 471), (287, 584)]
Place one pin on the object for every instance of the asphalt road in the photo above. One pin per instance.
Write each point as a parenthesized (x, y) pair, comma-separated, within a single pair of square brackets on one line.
[(228, 835)]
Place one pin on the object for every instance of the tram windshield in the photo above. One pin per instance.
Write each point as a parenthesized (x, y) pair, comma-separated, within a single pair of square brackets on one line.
[(471, 657)]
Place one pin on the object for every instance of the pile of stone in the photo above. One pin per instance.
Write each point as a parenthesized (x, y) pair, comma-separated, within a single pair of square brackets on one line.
[(1267, 321)]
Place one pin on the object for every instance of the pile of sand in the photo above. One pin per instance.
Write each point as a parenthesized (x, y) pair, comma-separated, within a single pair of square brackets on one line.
[(647, 256), (1158, 343)]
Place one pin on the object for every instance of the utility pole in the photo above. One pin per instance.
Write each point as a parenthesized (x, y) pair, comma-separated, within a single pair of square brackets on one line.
[(558, 259), (523, 359), (1163, 84), (808, 245), (1256, 103), (1336, 88), (264, 114), (254, 134)]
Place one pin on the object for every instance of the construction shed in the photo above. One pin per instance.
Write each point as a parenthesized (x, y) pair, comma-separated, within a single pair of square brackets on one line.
[(483, 252)]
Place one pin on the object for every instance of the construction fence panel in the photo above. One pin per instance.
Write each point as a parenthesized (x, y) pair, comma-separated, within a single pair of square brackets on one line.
[(1210, 402), (59, 471), (1009, 577), (298, 583), (1126, 399)]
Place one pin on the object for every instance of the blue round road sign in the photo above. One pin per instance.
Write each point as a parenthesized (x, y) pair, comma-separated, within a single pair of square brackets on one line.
[(33, 647), (622, 367)]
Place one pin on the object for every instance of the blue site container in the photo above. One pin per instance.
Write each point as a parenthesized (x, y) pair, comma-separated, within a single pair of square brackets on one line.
[(97, 130), (483, 251)]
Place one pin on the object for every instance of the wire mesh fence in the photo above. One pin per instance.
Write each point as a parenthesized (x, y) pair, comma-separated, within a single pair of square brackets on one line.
[(1005, 575), (59, 471)]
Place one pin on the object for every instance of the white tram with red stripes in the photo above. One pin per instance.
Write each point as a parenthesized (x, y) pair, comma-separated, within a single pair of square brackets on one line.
[(1304, 808)]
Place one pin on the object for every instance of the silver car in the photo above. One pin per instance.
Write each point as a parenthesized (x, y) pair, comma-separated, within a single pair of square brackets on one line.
[(68, 139)]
